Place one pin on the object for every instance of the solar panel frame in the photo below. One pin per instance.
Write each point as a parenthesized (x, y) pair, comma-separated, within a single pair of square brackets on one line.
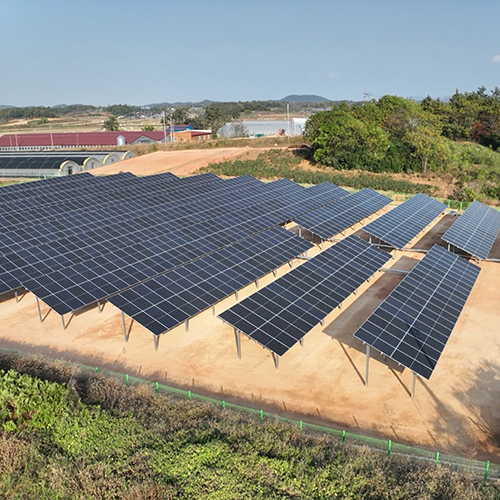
[(280, 315), (404, 222), (413, 324), (475, 231)]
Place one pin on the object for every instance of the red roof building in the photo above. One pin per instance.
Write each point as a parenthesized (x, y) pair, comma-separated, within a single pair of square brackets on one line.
[(65, 140)]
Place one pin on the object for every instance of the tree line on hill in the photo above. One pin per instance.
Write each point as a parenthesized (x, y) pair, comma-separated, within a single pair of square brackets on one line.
[(393, 134)]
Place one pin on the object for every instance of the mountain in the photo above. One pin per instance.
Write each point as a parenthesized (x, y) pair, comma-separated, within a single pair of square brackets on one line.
[(5, 106), (304, 98)]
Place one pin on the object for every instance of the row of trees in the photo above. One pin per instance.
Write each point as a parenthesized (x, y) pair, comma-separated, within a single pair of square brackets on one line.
[(396, 134)]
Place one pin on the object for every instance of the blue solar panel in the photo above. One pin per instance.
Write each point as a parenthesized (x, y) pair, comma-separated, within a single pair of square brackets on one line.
[(413, 324), (336, 217), (281, 314), (399, 226), (475, 230)]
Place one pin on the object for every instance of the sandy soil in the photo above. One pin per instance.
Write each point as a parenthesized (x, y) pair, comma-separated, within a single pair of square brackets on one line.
[(182, 162), (457, 410)]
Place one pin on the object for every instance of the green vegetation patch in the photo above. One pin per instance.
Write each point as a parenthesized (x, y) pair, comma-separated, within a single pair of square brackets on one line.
[(69, 434), (277, 164)]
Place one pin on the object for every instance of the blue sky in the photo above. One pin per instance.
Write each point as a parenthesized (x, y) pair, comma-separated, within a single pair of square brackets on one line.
[(107, 51)]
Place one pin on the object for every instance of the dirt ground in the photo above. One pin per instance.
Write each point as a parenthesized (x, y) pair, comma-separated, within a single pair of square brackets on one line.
[(182, 162), (456, 411)]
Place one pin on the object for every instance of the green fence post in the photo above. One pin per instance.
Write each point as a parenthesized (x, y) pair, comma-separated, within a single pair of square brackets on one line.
[(300, 424), (96, 369), (262, 414), (16, 352), (343, 436), (157, 387), (486, 470), (389, 446), (437, 457), (126, 379), (460, 206), (449, 203), (224, 405), (189, 395)]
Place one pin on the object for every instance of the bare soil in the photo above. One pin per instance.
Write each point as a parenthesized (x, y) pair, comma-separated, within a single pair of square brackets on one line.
[(178, 162), (456, 411)]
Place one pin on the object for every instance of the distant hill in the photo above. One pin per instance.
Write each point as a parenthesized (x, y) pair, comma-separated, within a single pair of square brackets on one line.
[(5, 106), (304, 98)]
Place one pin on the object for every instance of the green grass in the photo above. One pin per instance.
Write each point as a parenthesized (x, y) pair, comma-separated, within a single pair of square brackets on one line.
[(67, 434), (283, 164)]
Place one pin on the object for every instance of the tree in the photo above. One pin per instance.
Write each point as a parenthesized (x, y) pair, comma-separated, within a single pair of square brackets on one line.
[(111, 124), (428, 147), (342, 141), (148, 128)]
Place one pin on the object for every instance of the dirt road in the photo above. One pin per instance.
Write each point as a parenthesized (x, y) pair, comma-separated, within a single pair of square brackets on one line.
[(182, 162)]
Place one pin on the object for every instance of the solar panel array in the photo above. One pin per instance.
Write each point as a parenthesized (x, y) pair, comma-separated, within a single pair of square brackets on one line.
[(475, 231), (166, 301), (336, 217), (73, 244), (413, 324), (399, 226), (281, 314)]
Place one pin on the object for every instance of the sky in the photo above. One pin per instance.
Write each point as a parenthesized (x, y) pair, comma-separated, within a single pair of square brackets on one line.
[(105, 52)]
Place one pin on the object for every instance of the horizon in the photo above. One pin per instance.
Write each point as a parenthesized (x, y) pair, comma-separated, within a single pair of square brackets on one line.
[(117, 52)]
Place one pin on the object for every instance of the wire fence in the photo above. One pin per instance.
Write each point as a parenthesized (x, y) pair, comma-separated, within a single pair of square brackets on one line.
[(484, 469)]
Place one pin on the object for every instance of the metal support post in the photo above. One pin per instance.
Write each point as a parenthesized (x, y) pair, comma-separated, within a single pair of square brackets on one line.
[(367, 364), (63, 324), (301, 341), (322, 321), (186, 325), (448, 247), (125, 334), (257, 283), (15, 294), (370, 238), (413, 385), (275, 272), (236, 295), (276, 360), (321, 244), (39, 311), (213, 309), (156, 339), (237, 336), (340, 305), (300, 231)]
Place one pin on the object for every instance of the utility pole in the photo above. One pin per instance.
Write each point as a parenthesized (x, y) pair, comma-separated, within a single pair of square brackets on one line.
[(171, 129), (164, 129)]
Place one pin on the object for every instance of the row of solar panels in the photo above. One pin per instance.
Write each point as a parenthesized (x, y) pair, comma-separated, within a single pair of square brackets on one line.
[(411, 326)]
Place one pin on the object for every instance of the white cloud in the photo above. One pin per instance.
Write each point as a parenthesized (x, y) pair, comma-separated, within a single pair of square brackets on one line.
[(334, 74), (496, 59)]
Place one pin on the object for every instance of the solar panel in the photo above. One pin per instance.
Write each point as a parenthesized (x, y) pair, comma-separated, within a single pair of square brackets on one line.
[(336, 217), (413, 324), (166, 301), (281, 314), (475, 230), (399, 226)]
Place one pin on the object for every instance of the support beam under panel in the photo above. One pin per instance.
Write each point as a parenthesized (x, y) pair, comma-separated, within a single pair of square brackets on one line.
[(276, 360), (63, 323), (213, 309), (156, 339), (125, 333), (237, 336), (186, 325), (15, 294), (39, 311), (413, 384), (367, 369)]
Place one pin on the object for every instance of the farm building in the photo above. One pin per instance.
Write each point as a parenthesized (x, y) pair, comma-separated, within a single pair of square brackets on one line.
[(50, 164), (66, 140)]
